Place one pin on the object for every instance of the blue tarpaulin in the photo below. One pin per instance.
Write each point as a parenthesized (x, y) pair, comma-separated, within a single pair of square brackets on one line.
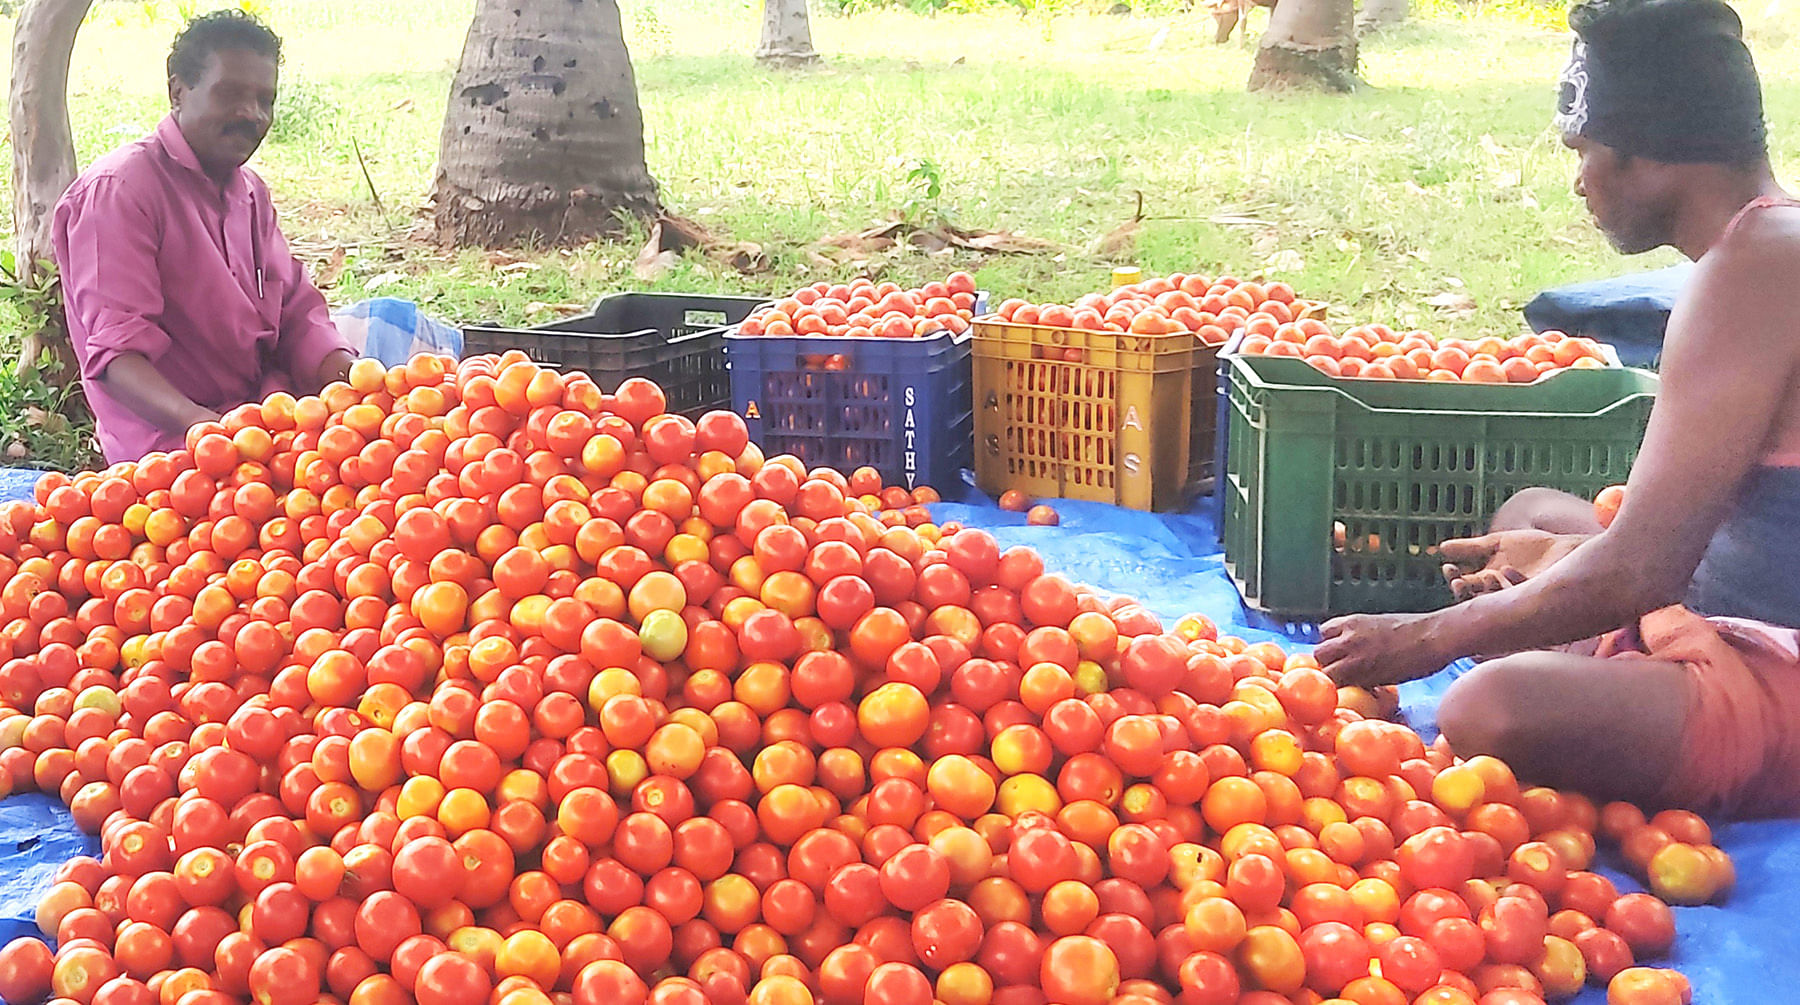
[(392, 330), (1628, 312), (1736, 953)]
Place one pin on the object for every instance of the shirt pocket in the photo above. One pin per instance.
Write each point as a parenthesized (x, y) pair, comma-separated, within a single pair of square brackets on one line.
[(268, 304)]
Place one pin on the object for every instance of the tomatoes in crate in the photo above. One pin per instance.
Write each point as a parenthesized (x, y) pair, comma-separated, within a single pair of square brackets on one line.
[(865, 309), (1377, 352)]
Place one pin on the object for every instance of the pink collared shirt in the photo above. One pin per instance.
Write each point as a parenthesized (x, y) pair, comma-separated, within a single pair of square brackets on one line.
[(156, 259)]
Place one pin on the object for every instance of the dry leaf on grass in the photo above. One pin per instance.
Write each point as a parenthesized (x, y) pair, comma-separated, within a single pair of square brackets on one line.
[(1286, 260), (746, 257), (539, 307), (326, 276), (822, 262), (1455, 303), (652, 264), (1119, 242), (671, 235), (999, 241), (886, 235)]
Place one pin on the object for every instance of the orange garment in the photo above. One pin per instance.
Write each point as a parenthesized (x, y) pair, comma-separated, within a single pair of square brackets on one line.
[(1740, 743)]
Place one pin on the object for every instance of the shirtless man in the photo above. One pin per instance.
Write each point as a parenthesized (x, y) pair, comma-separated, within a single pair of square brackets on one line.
[(1695, 701)]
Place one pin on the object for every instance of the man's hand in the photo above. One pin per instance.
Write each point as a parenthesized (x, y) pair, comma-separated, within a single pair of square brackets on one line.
[(1369, 649), (335, 366), (1493, 562)]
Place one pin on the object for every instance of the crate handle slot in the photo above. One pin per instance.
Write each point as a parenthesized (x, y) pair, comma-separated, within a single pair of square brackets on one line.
[(813, 362), (701, 318)]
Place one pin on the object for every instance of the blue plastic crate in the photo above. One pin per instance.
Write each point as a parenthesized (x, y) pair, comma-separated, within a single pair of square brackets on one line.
[(901, 406)]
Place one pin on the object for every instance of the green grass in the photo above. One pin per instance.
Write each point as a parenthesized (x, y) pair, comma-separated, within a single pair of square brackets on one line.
[(1443, 177)]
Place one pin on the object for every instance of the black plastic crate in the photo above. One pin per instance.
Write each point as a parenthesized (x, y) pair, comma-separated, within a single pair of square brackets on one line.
[(675, 339)]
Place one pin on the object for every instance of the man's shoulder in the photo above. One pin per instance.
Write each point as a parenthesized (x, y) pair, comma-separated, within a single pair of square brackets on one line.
[(1744, 294), (1768, 235), (132, 168)]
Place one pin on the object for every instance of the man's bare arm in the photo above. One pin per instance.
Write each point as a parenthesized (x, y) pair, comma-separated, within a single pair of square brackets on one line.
[(134, 382), (1728, 367)]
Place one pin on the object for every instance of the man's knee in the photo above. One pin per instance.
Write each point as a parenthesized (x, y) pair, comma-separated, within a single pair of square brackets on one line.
[(1548, 510), (1481, 714)]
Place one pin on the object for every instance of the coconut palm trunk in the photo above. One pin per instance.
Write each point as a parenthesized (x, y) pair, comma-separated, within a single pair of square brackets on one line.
[(786, 34), (43, 154), (543, 138), (1379, 14), (1309, 43)]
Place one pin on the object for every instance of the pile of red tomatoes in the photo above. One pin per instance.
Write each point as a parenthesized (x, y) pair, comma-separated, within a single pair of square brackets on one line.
[(467, 683)]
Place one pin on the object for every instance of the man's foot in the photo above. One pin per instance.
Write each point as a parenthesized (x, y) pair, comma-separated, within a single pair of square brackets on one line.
[(1493, 562)]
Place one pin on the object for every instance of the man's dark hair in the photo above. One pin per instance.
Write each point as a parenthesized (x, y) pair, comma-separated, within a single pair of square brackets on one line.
[(1671, 80), (215, 32)]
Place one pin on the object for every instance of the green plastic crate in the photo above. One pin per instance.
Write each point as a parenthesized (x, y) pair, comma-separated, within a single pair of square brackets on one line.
[(1337, 492)]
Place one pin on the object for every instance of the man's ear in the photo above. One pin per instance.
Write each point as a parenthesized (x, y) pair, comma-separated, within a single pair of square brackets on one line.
[(176, 87)]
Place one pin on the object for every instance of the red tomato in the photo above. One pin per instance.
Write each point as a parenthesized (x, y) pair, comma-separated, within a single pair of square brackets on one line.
[(975, 554), (946, 932), (1410, 963), (283, 976), (1515, 930), (897, 984), (1645, 923), (1041, 857), (279, 913), (915, 876), (1208, 979), (25, 967), (1154, 664), (428, 871), (723, 431), (1605, 953), (1335, 955), (1437, 858), (1012, 954), (452, 979), (605, 981), (383, 921), (1079, 970)]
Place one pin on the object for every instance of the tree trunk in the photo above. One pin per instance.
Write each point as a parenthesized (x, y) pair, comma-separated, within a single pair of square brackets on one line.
[(1378, 14), (543, 138), (786, 34), (1309, 43), (43, 152)]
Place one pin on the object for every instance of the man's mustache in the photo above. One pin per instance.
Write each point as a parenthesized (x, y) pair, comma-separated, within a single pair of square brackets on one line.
[(249, 129)]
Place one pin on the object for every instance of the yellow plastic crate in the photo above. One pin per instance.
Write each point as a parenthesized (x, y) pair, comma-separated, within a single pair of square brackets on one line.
[(1068, 413)]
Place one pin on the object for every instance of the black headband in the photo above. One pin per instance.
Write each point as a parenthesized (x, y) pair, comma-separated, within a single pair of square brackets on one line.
[(1670, 80)]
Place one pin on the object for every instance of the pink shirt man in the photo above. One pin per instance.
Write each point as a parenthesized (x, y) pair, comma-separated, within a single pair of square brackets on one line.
[(157, 259)]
